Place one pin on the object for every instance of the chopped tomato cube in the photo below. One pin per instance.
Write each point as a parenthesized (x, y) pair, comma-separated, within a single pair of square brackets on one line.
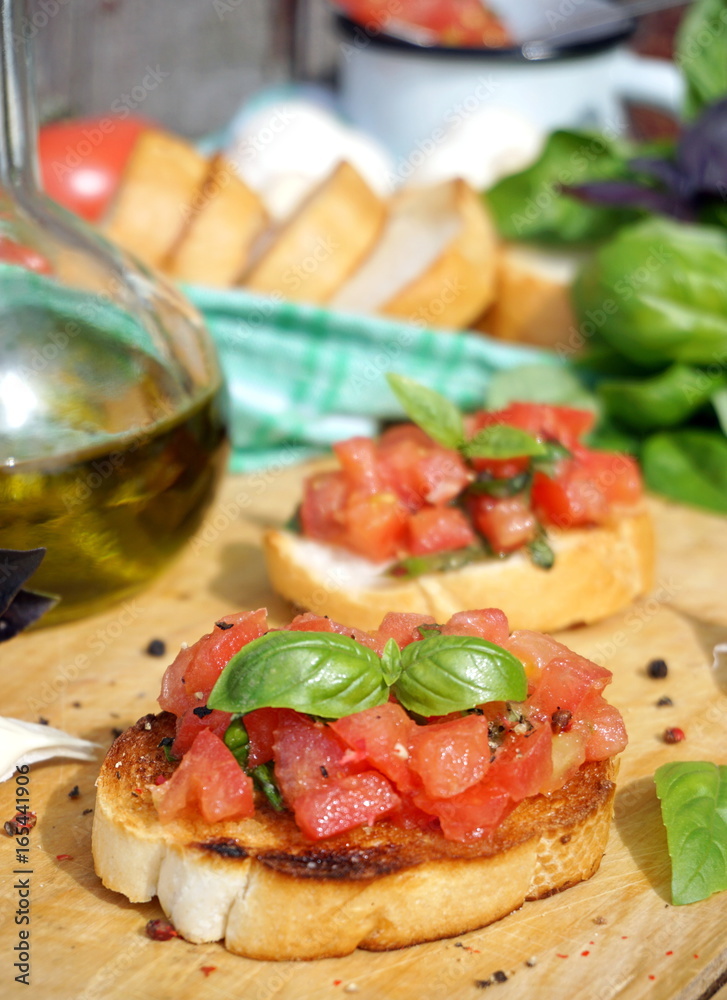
[(189, 725), (324, 497), (572, 500), (472, 814), (261, 726), (523, 765), (381, 735), (617, 477), (359, 460), (438, 529), (376, 526), (402, 627), (604, 727), (507, 523), (209, 780), (343, 804), (450, 756), (307, 754), (487, 623), (565, 684)]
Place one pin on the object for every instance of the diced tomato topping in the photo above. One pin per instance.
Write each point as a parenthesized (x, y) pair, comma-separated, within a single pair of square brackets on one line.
[(307, 754), (209, 780), (261, 726), (376, 526), (534, 650), (522, 765), (324, 498), (507, 524), (555, 423), (603, 726), (358, 458), (381, 737), (450, 756), (616, 476), (487, 623), (402, 627), (189, 725), (565, 683), (568, 752), (472, 814), (438, 529), (344, 804), (572, 500), (188, 681), (419, 470)]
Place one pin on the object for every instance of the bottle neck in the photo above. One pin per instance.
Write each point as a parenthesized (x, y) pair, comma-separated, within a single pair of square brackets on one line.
[(18, 125)]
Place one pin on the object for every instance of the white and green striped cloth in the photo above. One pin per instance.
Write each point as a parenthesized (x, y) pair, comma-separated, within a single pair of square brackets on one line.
[(301, 377)]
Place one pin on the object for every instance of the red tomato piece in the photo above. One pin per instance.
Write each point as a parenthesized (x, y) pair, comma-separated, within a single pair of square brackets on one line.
[(422, 472), (523, 763), (438, 529), (507, 524), (573, 500), (381, 736), (376, 526), (568, 752), (359, 460), (82, 160), (324, 497), (617, 477), (472, 814), (403, 628), (190, 678), (487, 623), (190, 725), (565, 684), (604, 727), (261, 726), (210, 780), (308, 754), (534, 650), (343, 804), (449, 757)]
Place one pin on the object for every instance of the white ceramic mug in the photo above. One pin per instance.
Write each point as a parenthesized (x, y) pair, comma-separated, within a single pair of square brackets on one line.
[(401, 93)]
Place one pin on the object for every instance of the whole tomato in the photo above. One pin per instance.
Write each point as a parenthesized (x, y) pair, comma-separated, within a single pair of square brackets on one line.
[(82, 159)]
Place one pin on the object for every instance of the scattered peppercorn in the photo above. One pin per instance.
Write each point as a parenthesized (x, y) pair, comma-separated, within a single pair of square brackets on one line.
[(74, 793), (560, 720), (76, 704), (160, 930), (664, 701), (86, 812), (674, 735), (156, 647), (224, 625), (202, 711), (600, 920), (531, 962), (499, 976), (324, 771), (657, 669), (42, 721)]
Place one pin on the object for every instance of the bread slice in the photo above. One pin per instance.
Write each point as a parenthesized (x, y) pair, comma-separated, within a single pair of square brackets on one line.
[(226, 218), (532, 302), (315, 250), (597, 572), (435, 262), (157, 191), (260, 885)]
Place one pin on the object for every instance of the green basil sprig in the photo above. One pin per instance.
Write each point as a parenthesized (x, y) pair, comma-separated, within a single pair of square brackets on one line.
[(693, 798), (332, 675), (434, 413)]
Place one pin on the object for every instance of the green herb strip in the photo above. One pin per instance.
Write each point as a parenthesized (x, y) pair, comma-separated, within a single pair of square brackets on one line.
[(693, 798), (501, 441), (321, 673), (434, 413), (331, 675)]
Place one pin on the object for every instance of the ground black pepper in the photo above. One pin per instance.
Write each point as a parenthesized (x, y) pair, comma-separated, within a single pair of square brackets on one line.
[(224, 625), (74, 792), (657, 669), (664, 701)]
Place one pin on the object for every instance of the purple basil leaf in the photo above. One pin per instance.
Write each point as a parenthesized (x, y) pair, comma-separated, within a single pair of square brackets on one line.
[(629, 194), (16, 566), (25, 608), (702, 153), (663, 170)]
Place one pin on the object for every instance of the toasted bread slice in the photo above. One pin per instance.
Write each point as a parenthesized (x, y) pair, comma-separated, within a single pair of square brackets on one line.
[(532, 302), (315, 250), (157, 191), (226, 219), (435, 261), (597, 572), (270, 893)]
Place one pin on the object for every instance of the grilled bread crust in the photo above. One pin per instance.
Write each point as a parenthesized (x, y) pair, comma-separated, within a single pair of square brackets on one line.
[(597, 572), (271, 893)]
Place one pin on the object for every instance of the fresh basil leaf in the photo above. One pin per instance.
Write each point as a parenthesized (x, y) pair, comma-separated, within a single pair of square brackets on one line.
[(426, 630), (664, 400), (444, 674), (494, 487), (391, 662), (264, 777), (541, 553), (438, 562), (531, 205), (549, 383), (548, 464), (502, 441), (689, 466), (693, 798), (322, 673), (434, 413), (701, 54), (237, 740)]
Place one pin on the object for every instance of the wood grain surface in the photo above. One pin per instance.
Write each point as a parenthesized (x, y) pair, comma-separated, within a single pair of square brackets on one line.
[(616, 936)]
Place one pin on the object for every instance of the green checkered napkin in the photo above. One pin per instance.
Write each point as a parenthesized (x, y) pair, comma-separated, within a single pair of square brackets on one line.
[(301, 377)]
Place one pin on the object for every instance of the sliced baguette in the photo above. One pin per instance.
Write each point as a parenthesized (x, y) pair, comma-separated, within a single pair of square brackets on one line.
[(314, 251), (434, 263), (226, 218), (532, 302), (260, 885), (157, 191), (598, 571)]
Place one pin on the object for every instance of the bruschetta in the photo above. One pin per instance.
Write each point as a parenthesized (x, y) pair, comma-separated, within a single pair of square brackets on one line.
[(313, 789)]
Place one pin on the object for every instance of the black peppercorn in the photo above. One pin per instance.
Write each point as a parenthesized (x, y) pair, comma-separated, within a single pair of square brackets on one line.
[(657, 669)]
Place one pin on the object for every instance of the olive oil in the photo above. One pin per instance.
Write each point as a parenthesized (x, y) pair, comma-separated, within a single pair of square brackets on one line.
[(112, 515)]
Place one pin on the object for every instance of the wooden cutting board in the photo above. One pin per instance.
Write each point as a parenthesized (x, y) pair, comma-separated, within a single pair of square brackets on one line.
[(615, 936)]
